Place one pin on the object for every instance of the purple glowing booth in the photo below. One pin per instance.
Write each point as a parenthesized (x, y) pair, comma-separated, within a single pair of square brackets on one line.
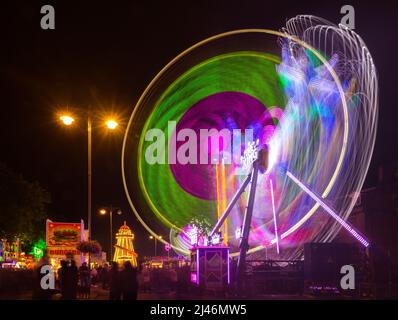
[(210, 267)]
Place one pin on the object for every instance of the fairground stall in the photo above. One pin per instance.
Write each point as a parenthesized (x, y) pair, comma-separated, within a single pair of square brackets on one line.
[(62, 239)]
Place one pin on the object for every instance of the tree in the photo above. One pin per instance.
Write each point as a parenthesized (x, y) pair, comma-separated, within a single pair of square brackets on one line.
[(202, 224), (22, 207), (202, 228)]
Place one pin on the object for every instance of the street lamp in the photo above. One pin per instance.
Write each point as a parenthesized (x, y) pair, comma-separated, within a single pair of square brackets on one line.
[(111, 210), (156, 242), (111, 124), (67, 119)]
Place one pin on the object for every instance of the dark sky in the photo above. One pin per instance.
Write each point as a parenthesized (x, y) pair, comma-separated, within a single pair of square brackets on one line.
[(103, 54)]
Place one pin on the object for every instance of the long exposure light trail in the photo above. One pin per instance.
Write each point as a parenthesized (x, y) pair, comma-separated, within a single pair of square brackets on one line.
[(274, 213), (313, 101), (329, 210)]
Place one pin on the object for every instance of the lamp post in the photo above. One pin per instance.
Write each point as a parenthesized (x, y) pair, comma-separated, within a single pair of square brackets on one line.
[(89, 148), (156, 242), (111, 210), (68, 120)]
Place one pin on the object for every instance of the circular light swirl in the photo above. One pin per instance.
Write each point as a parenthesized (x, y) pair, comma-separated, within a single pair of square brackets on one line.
[(228, 34)]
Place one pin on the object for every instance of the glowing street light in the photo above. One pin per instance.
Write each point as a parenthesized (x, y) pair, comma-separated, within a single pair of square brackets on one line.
[(156, 242), (111, 210), (67, 120), (111, 124)]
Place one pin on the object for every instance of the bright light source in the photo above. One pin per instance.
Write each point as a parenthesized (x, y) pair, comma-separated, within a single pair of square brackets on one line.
[(215, 239), (238, 233), (102, 211), (160, 237), (150, 237), (67, 120), (111, 124)]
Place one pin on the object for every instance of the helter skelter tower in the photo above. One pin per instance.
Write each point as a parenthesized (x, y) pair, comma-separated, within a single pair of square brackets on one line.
[(124, 248)]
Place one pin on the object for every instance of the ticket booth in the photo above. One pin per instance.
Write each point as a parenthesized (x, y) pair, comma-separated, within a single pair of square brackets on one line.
[(210, 267)]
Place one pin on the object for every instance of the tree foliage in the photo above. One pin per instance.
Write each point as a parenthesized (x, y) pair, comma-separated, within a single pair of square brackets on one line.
[(22, 207), (202, 224), (92, 246)]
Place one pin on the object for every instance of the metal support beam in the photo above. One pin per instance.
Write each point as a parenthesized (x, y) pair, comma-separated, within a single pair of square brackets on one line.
[(231, 205), (244, 244)]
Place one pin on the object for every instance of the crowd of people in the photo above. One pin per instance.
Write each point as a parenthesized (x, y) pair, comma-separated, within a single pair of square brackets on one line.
[(123, 284), (74, 282)]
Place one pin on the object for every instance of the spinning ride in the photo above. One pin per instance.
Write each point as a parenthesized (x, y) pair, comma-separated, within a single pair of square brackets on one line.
[(308, 92)]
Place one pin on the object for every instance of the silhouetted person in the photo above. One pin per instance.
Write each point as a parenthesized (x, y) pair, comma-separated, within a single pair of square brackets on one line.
[(84, 275), (115, 290), (105, 277), (146, 279), (69, 281), (61, 277), (129, 282), (94, 274)]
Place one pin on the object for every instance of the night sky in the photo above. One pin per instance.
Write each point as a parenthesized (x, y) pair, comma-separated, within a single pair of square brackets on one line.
[(103, 55)]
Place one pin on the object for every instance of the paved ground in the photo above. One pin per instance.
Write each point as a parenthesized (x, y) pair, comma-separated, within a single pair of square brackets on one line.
[(97, 293)]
